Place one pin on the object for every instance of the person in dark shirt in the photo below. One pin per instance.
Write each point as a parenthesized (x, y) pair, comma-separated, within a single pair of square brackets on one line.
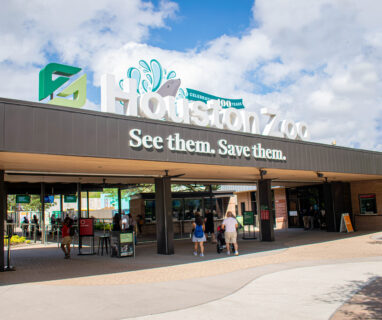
[(66, 238)]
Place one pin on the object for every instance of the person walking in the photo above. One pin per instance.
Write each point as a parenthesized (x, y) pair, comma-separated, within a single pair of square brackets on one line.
[(66, 237), (209, 221), (311, 217), (198, 236), (230, 226)]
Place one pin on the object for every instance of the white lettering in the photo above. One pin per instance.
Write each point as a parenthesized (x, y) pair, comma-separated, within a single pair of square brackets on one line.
[(135, 140)]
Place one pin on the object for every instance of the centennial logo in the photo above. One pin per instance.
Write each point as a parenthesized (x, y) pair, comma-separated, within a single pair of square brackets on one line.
[(47, 86)]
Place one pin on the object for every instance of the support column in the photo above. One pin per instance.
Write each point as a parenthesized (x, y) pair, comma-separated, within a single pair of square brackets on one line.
[(163, 211), (119, 202), (87, 203), (3, 215), (337, 200), (79, 208), (264, 208), (42, 200), (62, 207)]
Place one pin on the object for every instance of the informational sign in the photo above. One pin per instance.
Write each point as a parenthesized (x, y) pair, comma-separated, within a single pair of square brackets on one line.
[(248, 218), (86, 227), (346, 225), (264, 213), (49, 199), (126, 244), (70, 198), (21, 198), (293, 213)]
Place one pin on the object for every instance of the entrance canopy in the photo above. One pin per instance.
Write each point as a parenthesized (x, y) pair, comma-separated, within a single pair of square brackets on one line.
[(44, 143)]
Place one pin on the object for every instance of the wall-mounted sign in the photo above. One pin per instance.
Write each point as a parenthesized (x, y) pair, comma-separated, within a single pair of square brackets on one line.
[(222, 147), (21, 198), (70, 198), (47, 86), (49, 199)]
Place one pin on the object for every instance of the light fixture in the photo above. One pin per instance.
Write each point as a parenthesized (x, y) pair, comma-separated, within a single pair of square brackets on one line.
[(319, 174), (262, 173)]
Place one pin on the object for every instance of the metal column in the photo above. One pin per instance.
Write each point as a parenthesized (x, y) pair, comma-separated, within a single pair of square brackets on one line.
[(79, 214), (3, 215), (119, 202), (87, 203), (42, 200)]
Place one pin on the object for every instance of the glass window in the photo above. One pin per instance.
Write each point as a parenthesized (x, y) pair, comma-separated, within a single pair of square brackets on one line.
[(150, 210), (190, 207), (368, 203), (177, 209), (210, 204)]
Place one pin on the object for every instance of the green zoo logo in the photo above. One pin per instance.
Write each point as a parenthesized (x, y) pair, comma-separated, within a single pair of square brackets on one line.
[(47, 86)]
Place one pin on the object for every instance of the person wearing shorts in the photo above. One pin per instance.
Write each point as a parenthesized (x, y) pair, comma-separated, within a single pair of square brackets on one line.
[(198, 235), (66, 238), (230, 225)]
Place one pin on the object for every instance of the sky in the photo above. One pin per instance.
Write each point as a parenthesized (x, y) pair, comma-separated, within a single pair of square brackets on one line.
[(317, 61)]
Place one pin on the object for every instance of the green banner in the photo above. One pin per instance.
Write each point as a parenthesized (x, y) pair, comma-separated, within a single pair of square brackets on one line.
[(248, 217), (196, 95), (70, 198), (21, 198)]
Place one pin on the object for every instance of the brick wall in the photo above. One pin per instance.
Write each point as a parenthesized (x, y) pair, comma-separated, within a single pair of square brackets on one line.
[(281, 208)]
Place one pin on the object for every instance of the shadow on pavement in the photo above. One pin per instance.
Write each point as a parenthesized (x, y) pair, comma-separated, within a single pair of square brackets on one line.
[(365, 304), (43, 263)]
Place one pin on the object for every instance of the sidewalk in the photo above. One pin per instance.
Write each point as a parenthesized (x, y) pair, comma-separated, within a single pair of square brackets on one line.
[(271, 276)]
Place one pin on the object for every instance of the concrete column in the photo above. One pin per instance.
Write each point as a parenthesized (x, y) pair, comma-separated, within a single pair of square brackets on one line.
[(3, 215), (337, 200), (42, 200), (264, 209), (163, 211)]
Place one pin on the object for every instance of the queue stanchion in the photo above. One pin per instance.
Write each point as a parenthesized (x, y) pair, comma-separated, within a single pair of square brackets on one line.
[(8, 267)]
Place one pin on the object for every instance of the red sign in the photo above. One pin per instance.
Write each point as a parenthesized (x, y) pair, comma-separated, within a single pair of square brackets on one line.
[(264, 214), (86, 227)]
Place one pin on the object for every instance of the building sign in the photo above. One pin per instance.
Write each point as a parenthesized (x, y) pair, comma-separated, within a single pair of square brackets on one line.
[(152, 92), (195, 95), (47, 86), (21, 198), (222, 147), (69, 198)]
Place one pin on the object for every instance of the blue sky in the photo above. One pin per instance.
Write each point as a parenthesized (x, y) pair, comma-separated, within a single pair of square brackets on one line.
[(316, 61), (213, 17)]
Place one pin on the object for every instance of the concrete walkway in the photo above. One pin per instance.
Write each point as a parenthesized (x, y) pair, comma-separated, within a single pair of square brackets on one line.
[(302, 275), (302, 293)]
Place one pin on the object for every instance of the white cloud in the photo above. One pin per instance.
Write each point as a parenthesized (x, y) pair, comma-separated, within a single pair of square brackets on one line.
[(313, 60)]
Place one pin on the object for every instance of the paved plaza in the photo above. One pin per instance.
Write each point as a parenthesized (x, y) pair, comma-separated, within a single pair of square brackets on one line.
[(301, 275)]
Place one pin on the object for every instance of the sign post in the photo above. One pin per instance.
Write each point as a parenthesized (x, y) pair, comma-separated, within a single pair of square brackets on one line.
[(249, 222), (86, 230)]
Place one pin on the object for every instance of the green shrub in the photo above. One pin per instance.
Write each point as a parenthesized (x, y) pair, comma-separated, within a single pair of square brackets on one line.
[(15, 240)]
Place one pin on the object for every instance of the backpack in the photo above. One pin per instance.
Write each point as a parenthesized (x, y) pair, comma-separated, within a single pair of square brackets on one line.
[(71, 231), (198, 233)]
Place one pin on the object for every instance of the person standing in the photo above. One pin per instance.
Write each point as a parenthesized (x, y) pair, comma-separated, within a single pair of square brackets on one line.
[(230, 226), (209, 221), (311, 214), (66, 238), (198, 235)]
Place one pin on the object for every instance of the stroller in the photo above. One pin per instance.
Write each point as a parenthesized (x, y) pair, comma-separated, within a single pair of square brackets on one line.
[(221, 241)]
